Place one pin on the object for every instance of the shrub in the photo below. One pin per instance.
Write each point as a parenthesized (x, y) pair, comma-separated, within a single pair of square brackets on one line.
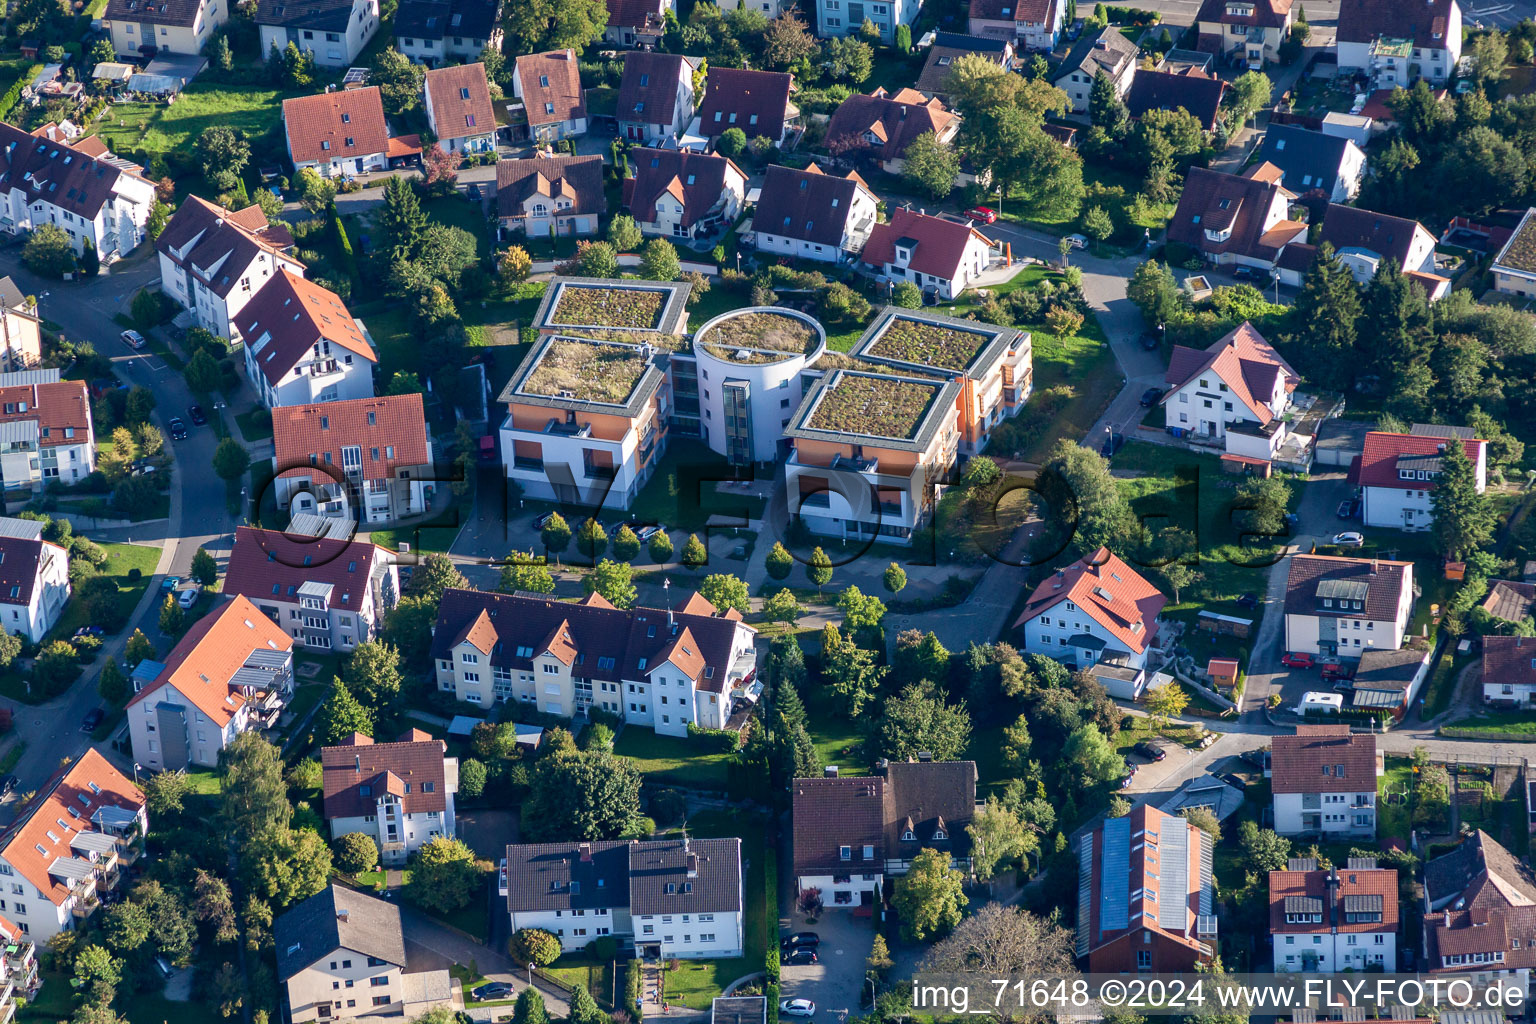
[(536, 946), (355, 852), (668, 806)]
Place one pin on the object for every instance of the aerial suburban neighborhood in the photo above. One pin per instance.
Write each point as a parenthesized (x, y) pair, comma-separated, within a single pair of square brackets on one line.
[(623, 511)]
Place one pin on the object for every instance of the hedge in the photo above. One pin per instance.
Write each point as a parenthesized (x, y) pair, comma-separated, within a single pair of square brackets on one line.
[(344, 246), (13, 95), (723, 740), (632, 986)]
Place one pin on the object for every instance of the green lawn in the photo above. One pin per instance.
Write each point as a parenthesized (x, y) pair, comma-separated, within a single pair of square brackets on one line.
[(156, 1009), (158, 128), (1394, 819), (437, 534), (1060, 218), (121, 559), (1514, 724), (255, 425), (54, 1001), (203, 781), (838, 740), (673, 760), (682, 492), (460, 212), (595, 977)]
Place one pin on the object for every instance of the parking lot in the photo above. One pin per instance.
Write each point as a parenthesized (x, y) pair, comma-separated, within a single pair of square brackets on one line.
[(833, 984)]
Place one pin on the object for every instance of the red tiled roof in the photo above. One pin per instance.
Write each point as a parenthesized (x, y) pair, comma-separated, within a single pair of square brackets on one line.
[(559, 69), (941, 243), (1323, 759), (1110, 592), (1213, 200), (696, 180), (288, 316), (633, 13), (37, 167), (37, 838), (218, 245), (214, 649), (1244, 361), (1171, 915), (1380, 455), (576, 178), (832, 813), (272, 565), (461, 101), (1375, 884), (1034, 12), (390, 430), (893, 121), (757, 102), (1266, 13), (1350, 227), (806, 205), (1510, 930), (1162, 90), (61, 409), (415, 764), (320, 126), (1384, 582)]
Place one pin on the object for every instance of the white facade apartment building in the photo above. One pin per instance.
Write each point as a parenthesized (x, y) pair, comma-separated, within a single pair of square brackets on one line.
[(431, 31), (140, 27), (303, 346), (813, 215), (232, 672), (92, 199), (675, 898), (845, 17), (1323, 780), (1098, 610), (21, 336), (46, 431), (34, 579), (334, 31), (1396, 45), (1347, 606), (328, 594), (1514, 268), (400, 794), (1397, 473), (1333, 919), (660, 669), (213, 261), (69, 845)]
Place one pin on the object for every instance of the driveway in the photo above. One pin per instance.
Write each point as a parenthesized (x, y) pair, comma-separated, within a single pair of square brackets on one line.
[(834, 983)]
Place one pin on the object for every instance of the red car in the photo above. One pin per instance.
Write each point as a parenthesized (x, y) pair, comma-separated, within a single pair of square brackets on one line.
[(982, 213), (1335, 670), (1295, 660)]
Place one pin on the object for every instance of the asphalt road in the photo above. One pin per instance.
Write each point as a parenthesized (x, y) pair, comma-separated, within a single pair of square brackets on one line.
[(199, 516)]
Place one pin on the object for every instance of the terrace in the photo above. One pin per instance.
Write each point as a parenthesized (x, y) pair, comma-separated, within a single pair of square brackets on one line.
[(633, 309), (925, 343), (758, 336), (875, 406), (587, 371)]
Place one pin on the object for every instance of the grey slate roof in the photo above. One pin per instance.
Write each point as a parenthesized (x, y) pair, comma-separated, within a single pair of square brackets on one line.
[(434, 19), (330, 15), (1088, 56), (1302, 154), (567, 876), (659, 882), (337, 918), (574, 876)]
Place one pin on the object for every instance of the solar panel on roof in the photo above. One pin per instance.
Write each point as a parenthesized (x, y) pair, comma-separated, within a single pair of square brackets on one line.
[(1173, 849), (1115, 875)]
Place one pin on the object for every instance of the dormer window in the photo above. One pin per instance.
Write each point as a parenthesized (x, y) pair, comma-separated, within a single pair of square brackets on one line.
[(908, 836), (938, 834)]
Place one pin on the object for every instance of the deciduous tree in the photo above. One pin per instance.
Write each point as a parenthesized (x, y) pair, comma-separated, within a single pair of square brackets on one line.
[(930, 898), (444, 877)]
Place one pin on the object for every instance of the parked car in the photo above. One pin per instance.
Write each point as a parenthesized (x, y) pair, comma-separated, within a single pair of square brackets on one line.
[(101, 385), (985, 214), (501, 878), (1151, 751), (1078, 241), (1130, 777), (475, 192), (810, 939), (196, 415), (539, 522), (797, 1008), (187, 598), (491, 990), (1337, 670), (800, 956), (134, 339), (1349, 539), (1249, 601), (645, 531), (1296, 659), (1249, 274), (89, 631), (1150, 397), (178, 428), (1111, 444), (170, 583), (1346, 509), (1150, 341), (8, 784), (91, 720)]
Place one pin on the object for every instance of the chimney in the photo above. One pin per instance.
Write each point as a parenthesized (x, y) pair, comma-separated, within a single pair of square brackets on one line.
[(341, 915), (586, 853), (693, 865), (1375, 564)]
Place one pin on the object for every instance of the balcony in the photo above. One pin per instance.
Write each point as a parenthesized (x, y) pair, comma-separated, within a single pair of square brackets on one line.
[(83, 907), (856, 464), (325, 368), (566, 428)]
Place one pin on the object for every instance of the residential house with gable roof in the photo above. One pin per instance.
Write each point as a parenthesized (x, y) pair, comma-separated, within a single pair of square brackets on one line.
[(1236, 392), (1314, 163), (1146, 895), (673, 898), (68, 846), (656, 95), (940, 256), (92, 196), (457, 100), (853, 832), (1364, 240), (1193, 92), (949, 47), (302, 345), (337, 133), (1323, 780), (34, 579), (549, 84), (812, 214), (547, 195), (661, 669), (1031, 24), (1480, 913), (757, 102), (1108, 52), (47, 430), (335, 32), (1509, 671), (1096, 612), (1397, 473), (636, 22), (329, 594), (341, 955), (232, 672), (368, 459), (398, 794), (683, 194), (1346, 606), (1395, 44), (1244, 33), (1333, 919), (141, 28), (432, 31), (213, 261), (1235, 219), (882, 126)]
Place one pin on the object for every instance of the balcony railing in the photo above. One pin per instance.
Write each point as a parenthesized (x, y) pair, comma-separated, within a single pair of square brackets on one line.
[(85, 907), (324, 368)]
